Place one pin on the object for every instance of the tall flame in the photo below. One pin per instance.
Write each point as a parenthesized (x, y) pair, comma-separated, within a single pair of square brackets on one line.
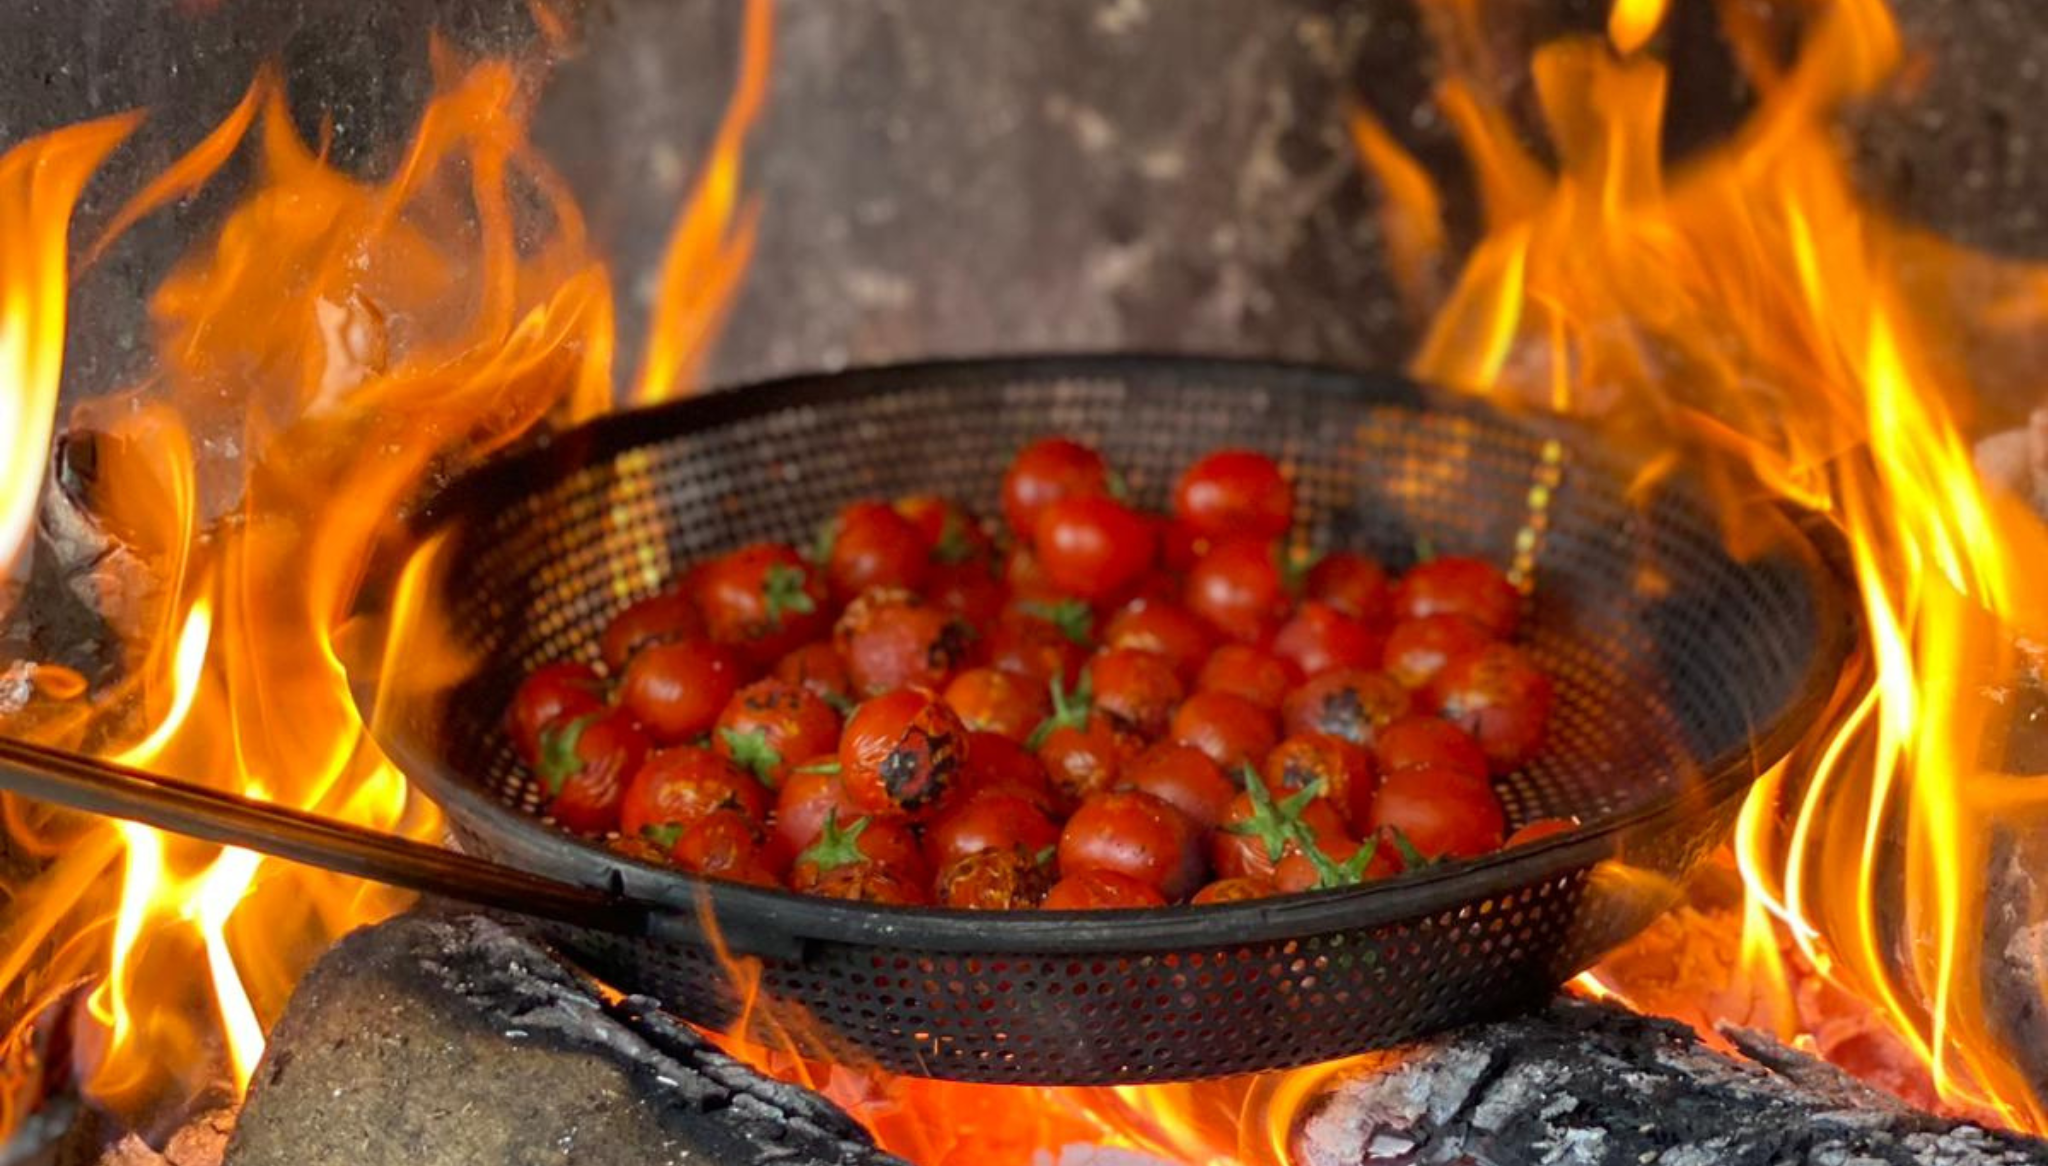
[(329, 348)]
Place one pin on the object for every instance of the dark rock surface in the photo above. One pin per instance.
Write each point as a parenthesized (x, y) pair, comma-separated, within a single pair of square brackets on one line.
[(437, 1041)]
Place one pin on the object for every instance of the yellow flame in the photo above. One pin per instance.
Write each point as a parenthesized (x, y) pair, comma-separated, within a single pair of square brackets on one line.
[(1631, 23)]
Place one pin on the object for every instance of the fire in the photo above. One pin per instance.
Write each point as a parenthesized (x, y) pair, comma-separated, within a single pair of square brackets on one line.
[(1749, 311), (335, 338)]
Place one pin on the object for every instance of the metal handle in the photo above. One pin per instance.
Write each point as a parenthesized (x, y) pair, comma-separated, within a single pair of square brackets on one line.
[(119, 791)]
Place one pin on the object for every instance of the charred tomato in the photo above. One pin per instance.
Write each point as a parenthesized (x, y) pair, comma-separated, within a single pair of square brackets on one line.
[(1013, 879), (1350, 703), (658, 619), (770, 725), (1500, 698), (676, 787), (990, 700), (1136, 690), (901, 751), (892, 639)]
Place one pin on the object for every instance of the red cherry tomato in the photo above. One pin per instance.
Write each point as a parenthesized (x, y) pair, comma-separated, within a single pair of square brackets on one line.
[(1229, 729), (1086, 758), (1419, 742), (726, 844), (874, 546), (891, 639), (1183, 777), (1258, 831), (1034, 648), (1136, 690), (1093, 546), (1252, 673), (1320, 638), (1442, 812), (1134, 834), (900, 751), (1000, 765), (1164, 629), (818, 668), (1234, 493), (1180, 548), (1346, 771), (1417, 649), (872, 841), (1540, 829), (550, 694), (764, 599), (1101, 890), (954, 536), (658, 619), (677, 690), (990, 700), (1348, 703), (1500, 698), (1239, 589), (1238, 890), (1015, 879), (1354, 585), (1338, 862), (585, 763), (967, 590), (770, 725), (810, 794), (991, 821), (1473, 588), (1044, 472), (676, 787)]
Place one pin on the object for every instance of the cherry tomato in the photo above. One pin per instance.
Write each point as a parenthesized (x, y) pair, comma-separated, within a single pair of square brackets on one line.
[(1320, 638), (810, 793), (1086, 758), (1346, 771), (1035, 648), (1252, 673), (1180, 547), (1093, 546), (550, 693), (770, 725), (1500, 698), (726, 844), (1237, 890), (873, 883), (1025, 576), (764, 599), (1441, 812), (886, 842), (874, 546), (1239, 589), (1101, 890), (891, 639), (1416, 742), (1230, 729), (1044, 472), (1012, 879), (999, 765), (900, 751), (1258, 831), (967, 590), (585, 763), (1136, 690), (658, 619), (1540, 829), (675, 787), (1165, 629), (989, 821), (1183, 777), (1354, 585), (1473, 588), (817, 668), (1234, 493), (1350, 703), (1337, 862), (1417, 649), (677, 690), (991, 700), (1134, 834), (954, 536)]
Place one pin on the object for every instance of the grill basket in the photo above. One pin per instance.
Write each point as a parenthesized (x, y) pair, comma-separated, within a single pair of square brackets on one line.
[(1681, 672)]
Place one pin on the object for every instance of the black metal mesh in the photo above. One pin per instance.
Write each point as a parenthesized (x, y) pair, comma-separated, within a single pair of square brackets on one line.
[(1674, 663)]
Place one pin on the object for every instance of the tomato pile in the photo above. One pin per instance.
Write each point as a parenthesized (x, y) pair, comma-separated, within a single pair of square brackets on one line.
[(1090, 707)]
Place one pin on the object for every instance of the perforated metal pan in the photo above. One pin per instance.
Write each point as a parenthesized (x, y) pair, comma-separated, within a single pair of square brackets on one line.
[(1681, 671)]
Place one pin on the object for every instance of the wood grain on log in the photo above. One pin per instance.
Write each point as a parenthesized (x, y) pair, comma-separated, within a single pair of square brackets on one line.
[(1594, 1084)]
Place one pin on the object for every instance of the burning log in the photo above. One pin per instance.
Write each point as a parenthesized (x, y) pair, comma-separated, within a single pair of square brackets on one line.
[(1595, 1083), (429, 1040)]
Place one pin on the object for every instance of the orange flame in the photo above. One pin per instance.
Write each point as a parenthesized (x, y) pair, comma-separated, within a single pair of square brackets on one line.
[(1750, 312), (330, 347)]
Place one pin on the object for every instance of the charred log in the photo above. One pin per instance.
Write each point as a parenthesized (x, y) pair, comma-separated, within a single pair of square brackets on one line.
[(1593, 1084)]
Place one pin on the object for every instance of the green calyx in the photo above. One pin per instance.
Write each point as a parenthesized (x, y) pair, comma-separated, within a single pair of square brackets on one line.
[(1411, 857), (829, 766), (1295, 563), (664, 835), (783, 590), (1275, 824), (836, 848), (1072, 617), (820, 551), (1069, 711), (559, 760), (1348, 873), (752, 751), (953, 546)]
